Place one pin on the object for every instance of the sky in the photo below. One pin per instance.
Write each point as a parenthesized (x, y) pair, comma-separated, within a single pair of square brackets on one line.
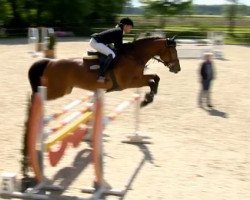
[(204, 2)]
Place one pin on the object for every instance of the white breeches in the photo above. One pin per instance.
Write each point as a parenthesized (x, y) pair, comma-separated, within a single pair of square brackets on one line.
[(100, 47)]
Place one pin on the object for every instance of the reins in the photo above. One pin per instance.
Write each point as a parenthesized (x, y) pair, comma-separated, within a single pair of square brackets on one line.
[(167, 64), (159, 60)]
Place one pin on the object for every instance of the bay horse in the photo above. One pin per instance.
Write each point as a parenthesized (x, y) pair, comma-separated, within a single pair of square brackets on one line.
[(61, 76)]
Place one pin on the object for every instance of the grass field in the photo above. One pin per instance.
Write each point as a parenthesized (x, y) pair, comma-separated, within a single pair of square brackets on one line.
[(195, 26)]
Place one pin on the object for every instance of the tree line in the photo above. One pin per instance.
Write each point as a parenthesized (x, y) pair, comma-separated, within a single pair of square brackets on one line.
[(243, 10), (79, 16)]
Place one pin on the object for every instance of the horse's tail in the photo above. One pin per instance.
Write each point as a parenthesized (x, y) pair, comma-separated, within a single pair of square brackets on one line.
[(35, 73)]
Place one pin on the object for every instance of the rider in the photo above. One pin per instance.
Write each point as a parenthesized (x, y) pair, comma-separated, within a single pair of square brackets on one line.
[(100, 42)]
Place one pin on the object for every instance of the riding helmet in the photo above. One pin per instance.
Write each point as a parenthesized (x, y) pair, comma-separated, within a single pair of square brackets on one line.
[(126, 21)]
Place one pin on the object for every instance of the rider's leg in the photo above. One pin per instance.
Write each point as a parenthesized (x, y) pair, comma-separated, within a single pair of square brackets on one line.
[(105, 65), (102, 48)]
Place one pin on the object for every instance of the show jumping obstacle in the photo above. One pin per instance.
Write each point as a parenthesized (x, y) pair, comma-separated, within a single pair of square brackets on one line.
[(34, 38), (217, 38), (136, 137), (69, 118), (101, 188), (68, 107), (72, 130), (69, 133), (38, 143), (195, 48)]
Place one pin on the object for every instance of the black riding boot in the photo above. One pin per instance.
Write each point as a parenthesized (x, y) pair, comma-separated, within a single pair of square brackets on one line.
[(104, 67)]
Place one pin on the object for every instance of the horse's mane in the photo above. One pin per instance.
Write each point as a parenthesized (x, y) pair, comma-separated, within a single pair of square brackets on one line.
[(145, 39), (130, 46)]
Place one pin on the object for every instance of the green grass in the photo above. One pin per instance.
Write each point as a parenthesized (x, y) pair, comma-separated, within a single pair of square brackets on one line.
[(241, 35), (196, 26)]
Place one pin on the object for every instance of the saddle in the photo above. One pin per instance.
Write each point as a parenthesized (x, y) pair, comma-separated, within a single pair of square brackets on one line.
[(93, 59), (92, 55)]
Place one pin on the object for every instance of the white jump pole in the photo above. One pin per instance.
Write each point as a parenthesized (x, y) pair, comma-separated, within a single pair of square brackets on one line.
[(32, 40), (136, 137), (101, 188), (8, 181), (45, 183)]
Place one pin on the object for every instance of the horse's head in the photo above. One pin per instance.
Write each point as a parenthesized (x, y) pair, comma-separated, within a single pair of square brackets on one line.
[(169, 57)]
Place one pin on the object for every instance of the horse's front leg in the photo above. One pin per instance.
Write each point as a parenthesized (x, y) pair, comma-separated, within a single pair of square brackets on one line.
[(153, 82)]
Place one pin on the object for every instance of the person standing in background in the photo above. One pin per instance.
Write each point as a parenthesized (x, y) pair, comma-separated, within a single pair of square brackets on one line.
[(206, 76)]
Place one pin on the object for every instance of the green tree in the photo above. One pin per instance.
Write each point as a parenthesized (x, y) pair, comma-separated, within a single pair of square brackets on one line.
[(5, 12), (105, 11), (33, 12), (231, 14), (15, 19), (75, 15), (165, 8)]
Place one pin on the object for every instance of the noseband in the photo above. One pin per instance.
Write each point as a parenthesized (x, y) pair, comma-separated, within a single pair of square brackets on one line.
[(172, 61)]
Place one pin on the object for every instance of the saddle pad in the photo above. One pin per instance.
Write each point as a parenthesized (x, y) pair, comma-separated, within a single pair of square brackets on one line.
[(87, 57)]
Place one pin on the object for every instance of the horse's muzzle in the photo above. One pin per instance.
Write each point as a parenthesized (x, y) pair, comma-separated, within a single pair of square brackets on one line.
[(174, 67)]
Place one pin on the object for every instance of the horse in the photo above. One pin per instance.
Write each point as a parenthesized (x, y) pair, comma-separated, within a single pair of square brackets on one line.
[(62, 75)]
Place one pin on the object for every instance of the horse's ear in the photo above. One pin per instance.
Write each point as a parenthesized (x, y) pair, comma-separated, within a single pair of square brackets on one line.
[(136, 37), (171, 41), (173, 38)]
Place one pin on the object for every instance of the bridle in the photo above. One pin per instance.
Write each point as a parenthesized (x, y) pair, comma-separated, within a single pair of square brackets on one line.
[(172, 61)]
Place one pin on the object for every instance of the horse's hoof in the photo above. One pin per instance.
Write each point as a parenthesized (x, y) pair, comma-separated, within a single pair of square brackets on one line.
[(143, 104), (149, 97)]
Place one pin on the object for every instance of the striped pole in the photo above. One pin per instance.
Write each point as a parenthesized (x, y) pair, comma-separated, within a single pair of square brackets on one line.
[(101, 188), (68, 108), (68, 119), (120, 108)]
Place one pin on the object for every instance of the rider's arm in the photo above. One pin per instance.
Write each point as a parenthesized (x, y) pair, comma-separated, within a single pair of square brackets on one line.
[(118, 40)]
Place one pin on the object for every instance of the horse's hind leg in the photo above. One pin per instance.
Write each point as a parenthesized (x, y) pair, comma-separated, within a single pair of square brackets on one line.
[(35, 73), (56, 92)]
